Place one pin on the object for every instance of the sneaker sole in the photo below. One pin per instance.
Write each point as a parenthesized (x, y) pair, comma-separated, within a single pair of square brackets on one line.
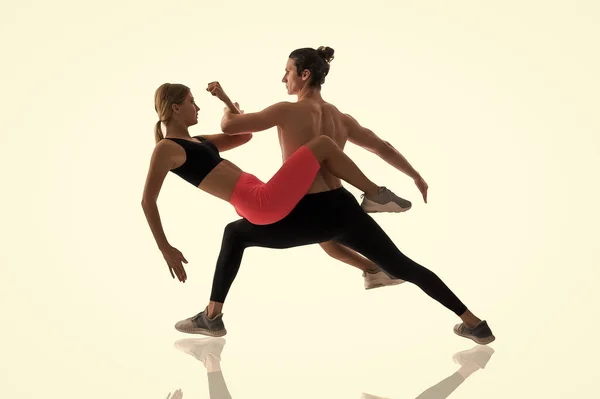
[(203, 331), (379, 285), (368, 209), (481, 341)]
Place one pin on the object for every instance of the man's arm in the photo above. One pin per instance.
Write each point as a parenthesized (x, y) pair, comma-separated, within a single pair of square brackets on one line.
[(236, 122), (274, 115), (368, 140)]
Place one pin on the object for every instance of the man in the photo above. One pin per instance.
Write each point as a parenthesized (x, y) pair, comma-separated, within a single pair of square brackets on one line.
[(328, 214)]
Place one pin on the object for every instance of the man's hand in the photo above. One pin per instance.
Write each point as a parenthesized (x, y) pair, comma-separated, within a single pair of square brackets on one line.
[(422, 186), (216, 90)]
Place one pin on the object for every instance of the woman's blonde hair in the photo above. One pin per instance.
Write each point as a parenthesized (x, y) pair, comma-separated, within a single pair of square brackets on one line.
[(164, 98)]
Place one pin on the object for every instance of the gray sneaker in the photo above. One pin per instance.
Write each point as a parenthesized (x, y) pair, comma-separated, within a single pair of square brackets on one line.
[(481, 333), (201, 324), (385, 201)]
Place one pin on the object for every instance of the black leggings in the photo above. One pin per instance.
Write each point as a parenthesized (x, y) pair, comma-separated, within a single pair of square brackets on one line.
[(331, 215)]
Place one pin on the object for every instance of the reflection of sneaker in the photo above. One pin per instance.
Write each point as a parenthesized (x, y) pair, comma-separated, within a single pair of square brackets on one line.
[(202, 348), (367, 396), (380, 279), (479, 356), (201, 324), (385, 201), (481, 333)]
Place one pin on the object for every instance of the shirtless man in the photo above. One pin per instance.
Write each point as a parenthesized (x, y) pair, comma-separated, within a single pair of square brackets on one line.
[(328, 213), (374, 276)]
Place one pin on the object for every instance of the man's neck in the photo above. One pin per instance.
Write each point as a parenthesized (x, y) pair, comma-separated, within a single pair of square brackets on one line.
[(310, 94)]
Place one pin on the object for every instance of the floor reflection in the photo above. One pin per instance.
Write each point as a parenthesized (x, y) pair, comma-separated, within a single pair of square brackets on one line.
[(208, 351)]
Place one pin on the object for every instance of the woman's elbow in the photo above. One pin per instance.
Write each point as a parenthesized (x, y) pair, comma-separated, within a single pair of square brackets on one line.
[(147, 202)]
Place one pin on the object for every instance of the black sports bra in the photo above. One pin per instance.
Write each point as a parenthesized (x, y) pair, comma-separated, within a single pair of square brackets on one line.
[(200, 159)]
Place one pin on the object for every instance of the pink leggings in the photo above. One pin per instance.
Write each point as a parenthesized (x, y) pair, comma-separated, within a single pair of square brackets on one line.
[(266, 203)]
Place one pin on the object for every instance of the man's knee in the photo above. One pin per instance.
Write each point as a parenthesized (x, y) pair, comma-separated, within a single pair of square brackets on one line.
[(233, 233)]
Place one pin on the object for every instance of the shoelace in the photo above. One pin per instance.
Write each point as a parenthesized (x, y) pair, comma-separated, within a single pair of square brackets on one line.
[(196, 317), (383, 190)]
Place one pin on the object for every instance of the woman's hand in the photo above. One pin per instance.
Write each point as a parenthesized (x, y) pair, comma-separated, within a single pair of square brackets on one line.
[(174, 259)]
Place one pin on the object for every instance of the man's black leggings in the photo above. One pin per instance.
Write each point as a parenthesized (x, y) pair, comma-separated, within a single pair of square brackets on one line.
[(331, 215)]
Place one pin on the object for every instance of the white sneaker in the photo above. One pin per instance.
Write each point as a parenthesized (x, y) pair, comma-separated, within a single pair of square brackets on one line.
[(380, 279)]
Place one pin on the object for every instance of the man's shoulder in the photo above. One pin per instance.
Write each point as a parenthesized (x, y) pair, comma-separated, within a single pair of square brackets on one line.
[(283, 105), (349, 118)]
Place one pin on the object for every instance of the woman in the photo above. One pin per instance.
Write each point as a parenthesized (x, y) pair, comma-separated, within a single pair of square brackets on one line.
[(197, 160)]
